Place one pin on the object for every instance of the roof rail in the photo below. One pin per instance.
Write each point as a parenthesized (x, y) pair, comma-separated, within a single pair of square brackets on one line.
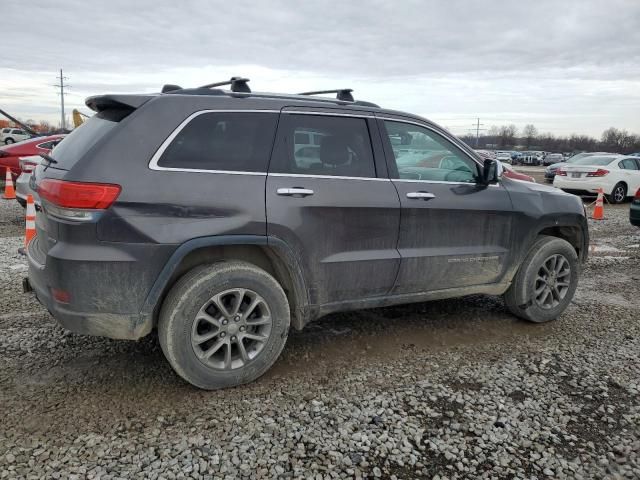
[(343, 94), (238, 84)]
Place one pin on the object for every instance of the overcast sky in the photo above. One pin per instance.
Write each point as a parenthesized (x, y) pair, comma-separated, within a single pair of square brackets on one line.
[(565, 66)]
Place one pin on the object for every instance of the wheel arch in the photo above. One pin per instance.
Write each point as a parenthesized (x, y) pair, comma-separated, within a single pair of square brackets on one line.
[(573, 234), (271, 255), (626, 187)]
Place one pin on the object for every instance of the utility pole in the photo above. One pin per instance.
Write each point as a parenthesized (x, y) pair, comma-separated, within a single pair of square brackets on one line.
[(478, 125), (62, 86)]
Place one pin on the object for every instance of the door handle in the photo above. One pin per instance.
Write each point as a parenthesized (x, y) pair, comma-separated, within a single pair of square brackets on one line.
[(294, 192), (420, 195)]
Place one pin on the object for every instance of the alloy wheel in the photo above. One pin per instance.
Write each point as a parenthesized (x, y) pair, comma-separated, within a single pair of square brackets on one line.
[(552, 281), (231, 329)]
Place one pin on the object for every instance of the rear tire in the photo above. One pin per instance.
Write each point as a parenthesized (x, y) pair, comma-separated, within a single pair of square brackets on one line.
[(536, 293), (618, 194), (209, 332), (9, 141)]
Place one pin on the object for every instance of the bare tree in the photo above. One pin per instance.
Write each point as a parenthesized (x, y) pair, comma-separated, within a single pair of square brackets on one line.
[(507, 135), (529, 133)]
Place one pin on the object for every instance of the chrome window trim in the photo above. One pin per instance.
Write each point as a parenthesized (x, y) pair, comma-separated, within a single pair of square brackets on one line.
[(153, 163), (199, 170), (339, 177), (410, 180)]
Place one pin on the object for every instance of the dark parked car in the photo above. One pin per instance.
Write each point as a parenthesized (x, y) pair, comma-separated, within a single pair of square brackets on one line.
[(634, 211), (191, 212), (552, 158)]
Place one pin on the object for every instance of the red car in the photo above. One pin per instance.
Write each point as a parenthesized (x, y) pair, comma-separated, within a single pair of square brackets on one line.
[(10, 154), (509, 172)]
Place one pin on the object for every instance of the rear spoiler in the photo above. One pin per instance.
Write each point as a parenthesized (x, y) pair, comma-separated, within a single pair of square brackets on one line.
[(99, 103)]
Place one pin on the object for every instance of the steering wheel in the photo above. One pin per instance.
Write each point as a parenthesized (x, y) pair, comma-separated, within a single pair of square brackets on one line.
[(456, 175)]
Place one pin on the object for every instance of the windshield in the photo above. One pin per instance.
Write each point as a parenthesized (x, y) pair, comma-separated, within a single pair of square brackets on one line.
[(78, 142), (599, 161)]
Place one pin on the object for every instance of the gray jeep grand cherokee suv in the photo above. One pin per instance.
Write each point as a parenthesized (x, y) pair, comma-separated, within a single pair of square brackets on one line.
[(222, 218)]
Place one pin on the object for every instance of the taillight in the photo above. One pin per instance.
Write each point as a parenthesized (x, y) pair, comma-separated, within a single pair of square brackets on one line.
[(28, 167), (562, 173), (60, 296), (77, 200), (601, 172), (637, 196)]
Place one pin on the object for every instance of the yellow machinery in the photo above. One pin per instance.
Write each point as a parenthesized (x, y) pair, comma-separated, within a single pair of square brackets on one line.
[(78, 117)]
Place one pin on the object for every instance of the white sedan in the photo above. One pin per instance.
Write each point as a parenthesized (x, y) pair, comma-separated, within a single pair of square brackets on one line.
[(617, 175)]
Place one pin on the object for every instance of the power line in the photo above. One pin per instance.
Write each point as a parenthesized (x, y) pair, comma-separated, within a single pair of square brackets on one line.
[(62, 86)]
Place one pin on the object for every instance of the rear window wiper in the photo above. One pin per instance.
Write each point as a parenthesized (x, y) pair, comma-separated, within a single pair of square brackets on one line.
[(49, 159)]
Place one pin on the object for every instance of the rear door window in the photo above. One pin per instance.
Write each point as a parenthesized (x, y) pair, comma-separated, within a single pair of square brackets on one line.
[(341, 146), (222, 141), (628, 164), (48, 145)]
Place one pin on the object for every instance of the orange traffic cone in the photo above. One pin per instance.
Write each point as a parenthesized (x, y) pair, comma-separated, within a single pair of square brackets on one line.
[(9, 192), (30, 231), (598, 211)]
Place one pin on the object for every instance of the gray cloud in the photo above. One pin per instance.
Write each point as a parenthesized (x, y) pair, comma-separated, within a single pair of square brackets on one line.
[(370, 39), (507, 47)]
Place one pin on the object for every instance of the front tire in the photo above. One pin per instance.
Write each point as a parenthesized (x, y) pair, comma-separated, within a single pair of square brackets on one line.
[(546, 281), (224, 324), (618, 194)]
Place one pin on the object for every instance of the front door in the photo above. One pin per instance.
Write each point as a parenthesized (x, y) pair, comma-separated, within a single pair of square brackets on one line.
[(330, 202), (454, 232)]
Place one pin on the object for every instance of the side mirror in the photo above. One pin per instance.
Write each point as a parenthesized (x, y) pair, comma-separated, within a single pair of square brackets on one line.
[(492, 171)]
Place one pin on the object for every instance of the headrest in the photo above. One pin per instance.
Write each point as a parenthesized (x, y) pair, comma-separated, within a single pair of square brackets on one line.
[(334, 151)]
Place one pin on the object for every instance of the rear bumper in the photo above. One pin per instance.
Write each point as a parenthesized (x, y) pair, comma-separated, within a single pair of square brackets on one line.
[(106, 296), (23, 189), (581, 185)]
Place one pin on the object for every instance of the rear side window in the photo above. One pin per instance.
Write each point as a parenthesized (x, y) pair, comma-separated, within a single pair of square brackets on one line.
[(49, 145), (628, 164), (341, 146), (226, 141), (80, 141)]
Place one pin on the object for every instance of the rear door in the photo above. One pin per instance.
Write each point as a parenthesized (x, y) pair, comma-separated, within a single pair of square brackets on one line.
[(454, 232), (329, 198), (630, 168)]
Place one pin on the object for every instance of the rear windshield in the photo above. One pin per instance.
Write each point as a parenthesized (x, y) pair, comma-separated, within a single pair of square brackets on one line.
[(78, 142), (594, 161)]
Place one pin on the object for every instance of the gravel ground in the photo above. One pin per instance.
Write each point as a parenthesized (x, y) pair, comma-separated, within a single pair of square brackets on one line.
[(447, 389)]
